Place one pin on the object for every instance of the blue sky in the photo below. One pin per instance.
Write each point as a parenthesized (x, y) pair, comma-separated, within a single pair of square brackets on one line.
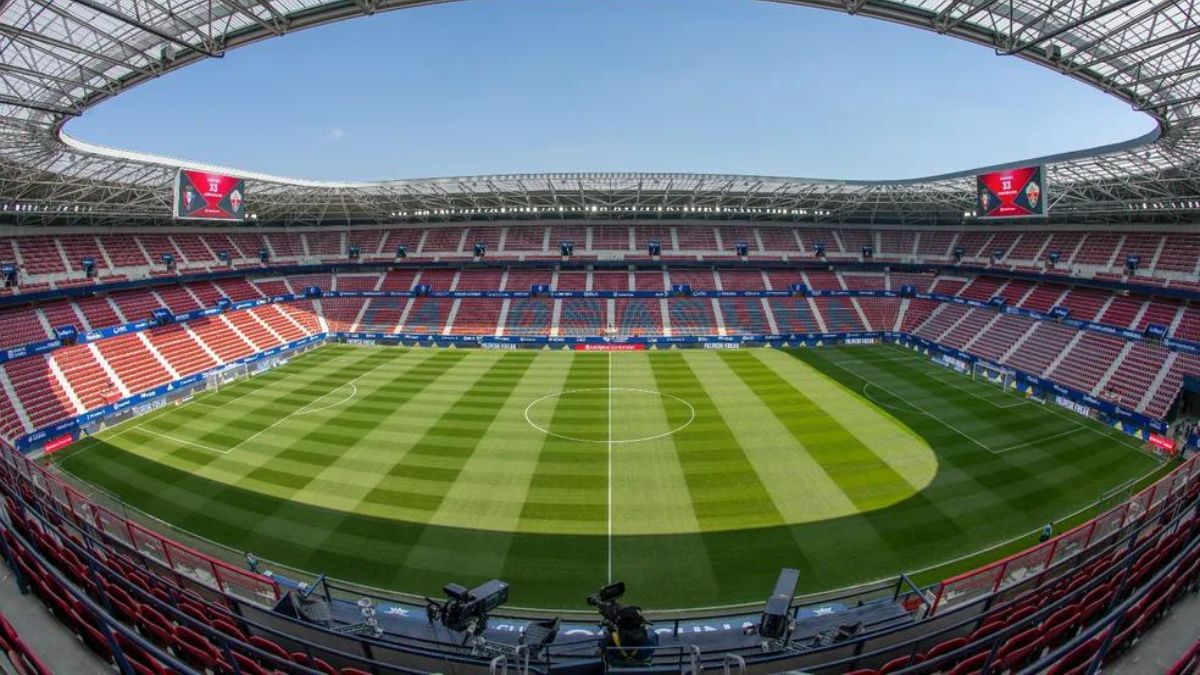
[(513, 86)]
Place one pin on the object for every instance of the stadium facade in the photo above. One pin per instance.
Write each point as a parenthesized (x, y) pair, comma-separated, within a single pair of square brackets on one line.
[(1093, 308), (63, 58)]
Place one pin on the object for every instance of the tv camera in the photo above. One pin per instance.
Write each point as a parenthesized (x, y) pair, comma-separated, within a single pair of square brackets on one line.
[(466, 611)]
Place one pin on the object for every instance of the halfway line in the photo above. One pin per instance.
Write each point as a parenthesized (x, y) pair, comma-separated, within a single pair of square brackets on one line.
[(610, 472)]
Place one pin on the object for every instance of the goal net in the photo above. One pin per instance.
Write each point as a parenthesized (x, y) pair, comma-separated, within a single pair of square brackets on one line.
[(1000, 377), (220, 378)]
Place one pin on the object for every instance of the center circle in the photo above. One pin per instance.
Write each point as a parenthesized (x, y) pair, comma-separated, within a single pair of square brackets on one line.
[(609, 415)]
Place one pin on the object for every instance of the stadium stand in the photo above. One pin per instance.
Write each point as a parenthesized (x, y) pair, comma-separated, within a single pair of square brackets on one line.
[(1055, 621), (744, 316), (1166, 258), (1047, 349), (476, 316), (637, 317), (583, 316), (529, 317)]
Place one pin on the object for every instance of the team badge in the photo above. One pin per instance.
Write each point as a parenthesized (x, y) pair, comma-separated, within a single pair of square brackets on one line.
[(1033, 193)]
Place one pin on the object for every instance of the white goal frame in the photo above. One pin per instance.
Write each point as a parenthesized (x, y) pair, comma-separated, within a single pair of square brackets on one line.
[(215, 380), (986, 372)]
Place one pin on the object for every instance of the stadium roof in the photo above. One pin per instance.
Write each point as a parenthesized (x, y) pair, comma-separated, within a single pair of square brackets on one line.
[(60, 57)]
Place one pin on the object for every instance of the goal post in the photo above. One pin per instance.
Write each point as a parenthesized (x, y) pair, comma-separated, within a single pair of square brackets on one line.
[(987, 372), (215, 380)]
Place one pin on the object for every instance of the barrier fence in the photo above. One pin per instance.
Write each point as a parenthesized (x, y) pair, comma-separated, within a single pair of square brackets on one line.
[(198, 567), (969, 586)]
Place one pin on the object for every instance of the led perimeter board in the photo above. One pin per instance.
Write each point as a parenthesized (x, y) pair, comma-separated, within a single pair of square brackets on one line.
[(209, 196), (1012, 193)]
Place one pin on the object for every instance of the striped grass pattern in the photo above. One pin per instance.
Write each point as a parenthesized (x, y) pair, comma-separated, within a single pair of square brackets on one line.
[(693, 475)]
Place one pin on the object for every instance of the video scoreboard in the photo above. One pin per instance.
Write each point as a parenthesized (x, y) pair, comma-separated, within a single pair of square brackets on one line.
[(209, 196), (1012, 193)]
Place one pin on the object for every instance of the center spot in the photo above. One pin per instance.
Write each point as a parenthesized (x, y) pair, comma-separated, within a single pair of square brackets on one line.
[(609, 415)]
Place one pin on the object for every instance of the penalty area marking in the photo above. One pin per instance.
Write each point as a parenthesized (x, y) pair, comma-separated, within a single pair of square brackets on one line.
[(610, 440), (921, 411), (937, 377), (302, 411), (345, 399), (305, 410), (866, 392), (1040, 440)]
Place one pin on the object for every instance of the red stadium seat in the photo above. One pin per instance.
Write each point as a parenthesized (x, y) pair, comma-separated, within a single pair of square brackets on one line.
[(989, 628), (249, 666), (155, 626), (971, 665), (1079, 659), (227, 627), (123, 606), (1020, 614), (1020, 650), (1060, 626), (946, 647), (90, 632), (195, 649), (898, 664), (270, 647), (313, 662)]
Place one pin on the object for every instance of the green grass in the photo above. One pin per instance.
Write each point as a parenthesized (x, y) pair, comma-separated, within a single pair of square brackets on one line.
[(692, 475)]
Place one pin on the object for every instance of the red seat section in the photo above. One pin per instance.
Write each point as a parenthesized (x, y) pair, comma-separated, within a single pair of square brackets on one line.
[(476, 316), (133, 362), (178, 346), (39, 390), (21, 327)]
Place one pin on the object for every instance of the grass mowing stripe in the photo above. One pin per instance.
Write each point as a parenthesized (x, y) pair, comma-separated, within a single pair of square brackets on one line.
[(307, 456), (866, 479), (228, 430), (569, 487), (724, 486), (897, 445), (799, 486), (440, 458), (977, 422), (989, 469), (650, 495), (314, 444), (493, 486), (650, 492), (1027, 427), (1023, 485), (437, 459)]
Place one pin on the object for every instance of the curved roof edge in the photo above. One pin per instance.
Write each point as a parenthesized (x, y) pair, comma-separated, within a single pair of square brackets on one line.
[(62, 58), (175, 163)]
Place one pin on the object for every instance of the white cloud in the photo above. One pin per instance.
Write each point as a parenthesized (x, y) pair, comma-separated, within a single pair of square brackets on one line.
[(335, 134)]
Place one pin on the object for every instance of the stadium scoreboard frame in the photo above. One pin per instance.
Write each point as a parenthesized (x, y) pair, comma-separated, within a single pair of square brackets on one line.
[(201, 195), (1012, 193)]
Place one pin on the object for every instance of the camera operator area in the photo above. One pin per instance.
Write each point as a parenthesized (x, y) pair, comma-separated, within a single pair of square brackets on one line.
[(611, 632)]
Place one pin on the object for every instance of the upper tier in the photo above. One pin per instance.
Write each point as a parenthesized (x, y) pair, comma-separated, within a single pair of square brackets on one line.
[(46, 262)]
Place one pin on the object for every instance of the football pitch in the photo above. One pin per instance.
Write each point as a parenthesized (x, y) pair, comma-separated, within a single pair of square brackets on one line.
[(693, 475)]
